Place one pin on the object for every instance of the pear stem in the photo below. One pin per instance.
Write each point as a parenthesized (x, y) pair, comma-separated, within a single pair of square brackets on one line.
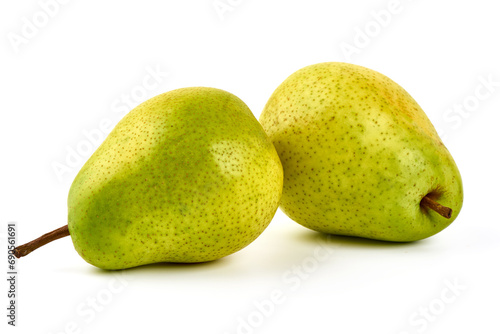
[(433, 205), (39, 242)]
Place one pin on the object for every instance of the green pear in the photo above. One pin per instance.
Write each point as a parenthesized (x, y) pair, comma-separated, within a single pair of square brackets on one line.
[(359, 155), (187, 176)]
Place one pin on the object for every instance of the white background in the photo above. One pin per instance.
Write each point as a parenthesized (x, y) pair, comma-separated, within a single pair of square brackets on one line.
[(75, 70)]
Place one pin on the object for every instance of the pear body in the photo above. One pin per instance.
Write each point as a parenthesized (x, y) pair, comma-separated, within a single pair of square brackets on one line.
[(358, 155), (187, 176)]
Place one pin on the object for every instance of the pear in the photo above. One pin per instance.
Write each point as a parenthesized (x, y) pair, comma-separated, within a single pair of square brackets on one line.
[(187, 176), (359, 155)]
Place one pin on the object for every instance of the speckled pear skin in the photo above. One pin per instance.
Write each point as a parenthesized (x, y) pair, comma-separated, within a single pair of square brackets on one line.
[(358, 155), (187, 176)]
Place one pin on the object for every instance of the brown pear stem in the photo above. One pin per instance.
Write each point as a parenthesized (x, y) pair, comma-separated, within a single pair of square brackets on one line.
[(39, 242), (433, 205)]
